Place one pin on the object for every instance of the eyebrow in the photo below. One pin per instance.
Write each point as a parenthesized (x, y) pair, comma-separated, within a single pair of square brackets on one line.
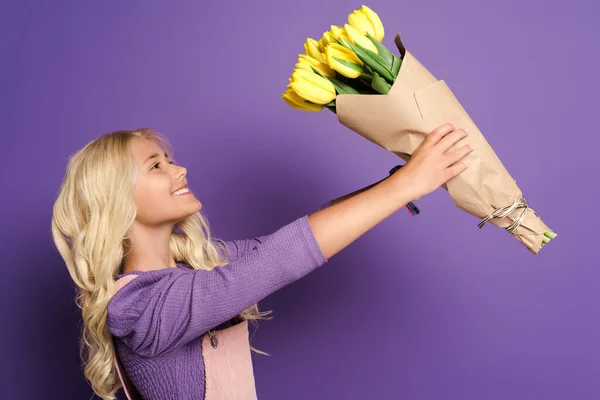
[(154, 156)]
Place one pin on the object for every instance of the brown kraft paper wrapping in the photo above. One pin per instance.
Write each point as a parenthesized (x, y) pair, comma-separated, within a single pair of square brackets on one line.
[(418, 103)]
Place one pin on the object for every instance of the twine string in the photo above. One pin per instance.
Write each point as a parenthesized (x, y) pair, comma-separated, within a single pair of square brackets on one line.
[(506, 210)]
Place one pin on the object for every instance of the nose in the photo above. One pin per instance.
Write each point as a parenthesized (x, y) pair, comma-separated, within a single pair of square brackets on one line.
[(180, 171)]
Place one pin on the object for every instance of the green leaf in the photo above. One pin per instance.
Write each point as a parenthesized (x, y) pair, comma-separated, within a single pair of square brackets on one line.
[(358, 84), (343, 88), (364, 85), (371, 59), (350, 65), (340, 87), (396, 63), (318, 72), (337, 41), (380, 85), (366, 76), (383, 51)]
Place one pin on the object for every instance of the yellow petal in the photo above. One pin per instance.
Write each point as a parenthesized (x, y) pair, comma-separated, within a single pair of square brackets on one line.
[(321, 45), (311, 47), (336, 31), (343, 69), (312, 93), (312, 87), (327, 38), (303, 65), (298, 103), (313, 79), (335, 52), (355, 37), (344, 53), (375, 21), (360, 21), (307, 61)]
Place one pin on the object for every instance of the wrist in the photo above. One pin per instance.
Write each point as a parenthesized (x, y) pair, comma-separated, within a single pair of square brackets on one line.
[(408, 187), (401, 184), (396, 168)]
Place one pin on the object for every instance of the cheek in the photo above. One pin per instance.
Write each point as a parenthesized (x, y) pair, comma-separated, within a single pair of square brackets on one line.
[(151, 196)]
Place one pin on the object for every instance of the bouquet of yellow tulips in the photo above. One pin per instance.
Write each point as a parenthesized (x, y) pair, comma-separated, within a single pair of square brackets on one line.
[(394, 102)]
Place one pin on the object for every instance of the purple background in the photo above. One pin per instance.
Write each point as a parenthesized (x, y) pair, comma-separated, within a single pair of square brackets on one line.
[(428, 307)]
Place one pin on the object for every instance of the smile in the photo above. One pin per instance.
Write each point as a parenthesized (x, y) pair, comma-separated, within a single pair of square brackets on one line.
[(181, 191)]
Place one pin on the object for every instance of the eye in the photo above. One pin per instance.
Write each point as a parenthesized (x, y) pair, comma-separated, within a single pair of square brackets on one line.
[(156, 165)]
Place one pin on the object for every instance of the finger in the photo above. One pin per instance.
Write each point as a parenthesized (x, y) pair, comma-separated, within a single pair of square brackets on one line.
[(458, 154), (437, 134), (449, 140), (456, 169)]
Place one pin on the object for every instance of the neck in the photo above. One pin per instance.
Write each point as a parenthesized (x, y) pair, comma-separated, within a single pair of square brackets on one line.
[(149, 249)]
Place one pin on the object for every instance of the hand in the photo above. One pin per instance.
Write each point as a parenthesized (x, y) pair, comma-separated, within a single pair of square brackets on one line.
[(432, 165)]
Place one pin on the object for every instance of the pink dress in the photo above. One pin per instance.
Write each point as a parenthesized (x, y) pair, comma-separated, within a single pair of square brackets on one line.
[(229, 371)]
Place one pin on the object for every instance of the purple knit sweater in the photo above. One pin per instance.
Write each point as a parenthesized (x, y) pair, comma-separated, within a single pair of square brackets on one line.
[(158, 318)]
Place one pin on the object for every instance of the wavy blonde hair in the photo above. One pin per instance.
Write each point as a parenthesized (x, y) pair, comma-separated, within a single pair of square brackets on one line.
[(92, 214)]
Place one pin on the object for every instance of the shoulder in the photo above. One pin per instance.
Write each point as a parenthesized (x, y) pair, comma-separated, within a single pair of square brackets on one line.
[(135, 291)]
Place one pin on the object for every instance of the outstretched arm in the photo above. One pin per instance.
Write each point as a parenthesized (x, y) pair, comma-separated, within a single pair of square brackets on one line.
[(431, 165), (346, 218), (349, 195)]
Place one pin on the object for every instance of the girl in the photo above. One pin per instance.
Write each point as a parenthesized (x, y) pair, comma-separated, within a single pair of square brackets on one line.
[(164, 304)]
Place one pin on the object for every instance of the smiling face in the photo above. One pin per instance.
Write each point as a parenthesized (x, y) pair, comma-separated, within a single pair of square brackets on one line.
[(157, 196)]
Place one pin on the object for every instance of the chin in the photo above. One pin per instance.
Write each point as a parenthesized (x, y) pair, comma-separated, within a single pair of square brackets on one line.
[(197, 207), (190, 209), (188, 214)]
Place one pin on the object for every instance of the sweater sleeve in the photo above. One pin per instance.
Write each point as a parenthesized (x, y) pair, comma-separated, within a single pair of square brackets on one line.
[(238, 248), (160, 310)]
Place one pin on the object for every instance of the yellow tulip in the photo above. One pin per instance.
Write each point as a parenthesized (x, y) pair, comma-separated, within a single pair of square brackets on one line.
[(321, 46), (375, 21), (298, 103), (312, 87), (336, 31), (362, 24), (326, 39), (306, 62), (355, 37), (343, 60), (311, 47)]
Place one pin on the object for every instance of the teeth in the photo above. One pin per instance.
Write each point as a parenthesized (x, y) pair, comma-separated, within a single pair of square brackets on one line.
[(182, 191)]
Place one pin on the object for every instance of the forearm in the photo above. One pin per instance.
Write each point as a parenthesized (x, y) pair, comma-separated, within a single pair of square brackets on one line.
[(349, 195), (352, 215)]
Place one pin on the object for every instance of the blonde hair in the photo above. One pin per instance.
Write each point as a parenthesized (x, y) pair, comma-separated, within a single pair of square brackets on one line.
[(91, 217)]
